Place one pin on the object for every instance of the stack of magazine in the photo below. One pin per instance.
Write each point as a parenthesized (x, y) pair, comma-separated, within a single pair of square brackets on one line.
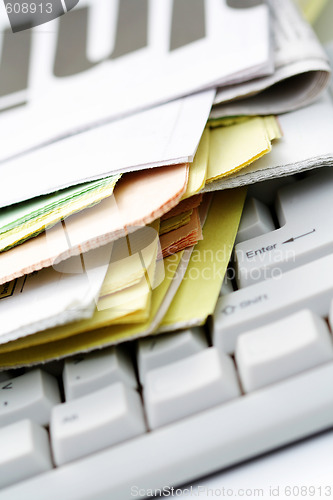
[(124, 126)]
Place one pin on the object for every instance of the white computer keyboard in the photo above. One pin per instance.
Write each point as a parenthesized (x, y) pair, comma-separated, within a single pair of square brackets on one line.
[(172, 408)]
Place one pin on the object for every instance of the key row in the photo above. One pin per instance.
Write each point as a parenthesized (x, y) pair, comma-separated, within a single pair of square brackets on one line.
[(78, 428), (276, 371), (181, 375)]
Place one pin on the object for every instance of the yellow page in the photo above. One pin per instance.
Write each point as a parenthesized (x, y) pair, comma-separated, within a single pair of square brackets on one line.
[(132, 302), (53, 343), (126, 270), (236, 146), (198, 169), (117, 303), (272, 127), (196, 297), (175, 222), (140, 312), (227, 121)]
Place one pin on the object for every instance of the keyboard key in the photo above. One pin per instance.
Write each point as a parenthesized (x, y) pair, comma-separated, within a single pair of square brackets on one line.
[(4, 376), (96, 421), (310, 197), (54, 368), (330, 316), (188, 386), (87, 373), (157, 351), (306, 287), (256, 220), (24, 452), (266, 191), (305, 212), (226, 287), (282, 349), (31, 396)]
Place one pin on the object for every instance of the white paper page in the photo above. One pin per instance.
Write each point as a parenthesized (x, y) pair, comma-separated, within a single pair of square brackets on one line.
[(164, 135), (91, 65), (294, 38), (306, 144), (49, 298), (290, 88), (298, 54)]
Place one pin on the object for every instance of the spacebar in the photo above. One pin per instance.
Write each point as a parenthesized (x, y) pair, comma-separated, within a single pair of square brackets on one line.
[(196, 446)]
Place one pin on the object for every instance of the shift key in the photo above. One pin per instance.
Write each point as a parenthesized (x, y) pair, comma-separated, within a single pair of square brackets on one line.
[(309, 286)]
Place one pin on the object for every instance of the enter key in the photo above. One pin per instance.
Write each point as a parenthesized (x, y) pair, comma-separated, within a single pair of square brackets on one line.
[(306, 233)]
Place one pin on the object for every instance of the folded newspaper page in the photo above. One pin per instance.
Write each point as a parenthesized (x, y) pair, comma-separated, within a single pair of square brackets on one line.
[(106, 59), (301, 70)]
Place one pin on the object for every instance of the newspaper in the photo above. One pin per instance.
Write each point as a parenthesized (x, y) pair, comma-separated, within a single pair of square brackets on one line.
[(106, 59), (301, 70)]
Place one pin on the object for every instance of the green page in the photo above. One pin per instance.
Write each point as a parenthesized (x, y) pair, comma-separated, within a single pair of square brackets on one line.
[(21, 213)]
